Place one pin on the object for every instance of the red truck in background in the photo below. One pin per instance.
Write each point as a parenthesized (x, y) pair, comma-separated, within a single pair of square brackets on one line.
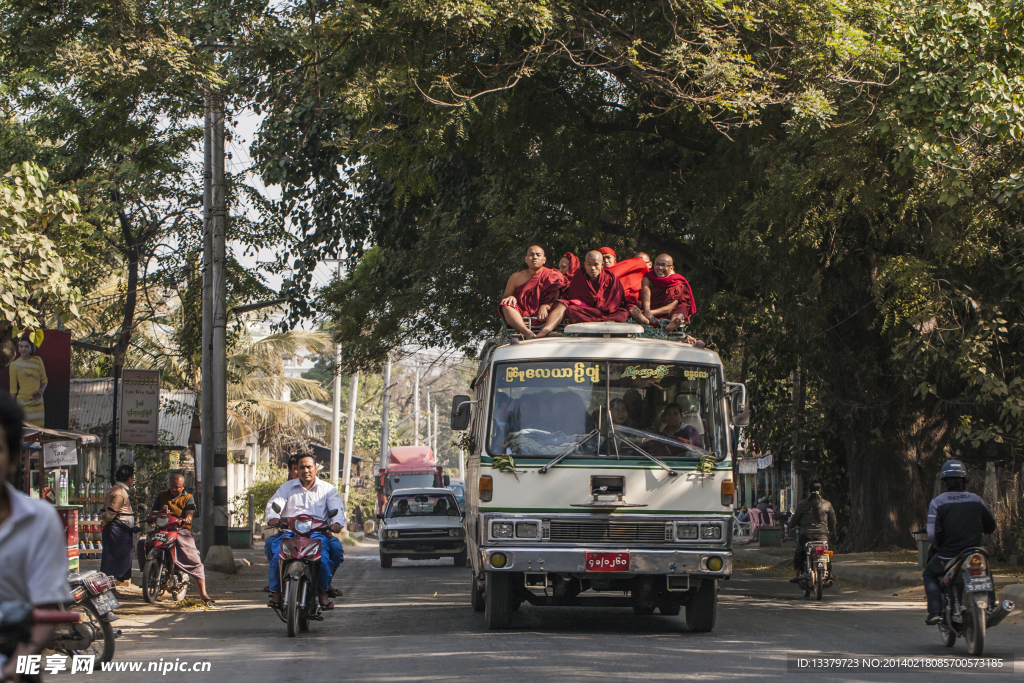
[(408, 467)]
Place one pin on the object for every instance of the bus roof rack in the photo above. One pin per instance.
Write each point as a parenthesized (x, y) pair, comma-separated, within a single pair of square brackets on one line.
[(603, 329)]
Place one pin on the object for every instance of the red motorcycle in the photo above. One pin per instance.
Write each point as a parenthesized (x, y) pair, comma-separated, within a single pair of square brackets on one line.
[(299, 560), (160, 574)]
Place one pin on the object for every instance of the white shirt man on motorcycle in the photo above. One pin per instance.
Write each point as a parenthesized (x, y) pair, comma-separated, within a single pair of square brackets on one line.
[(315, 497), (32, 543)]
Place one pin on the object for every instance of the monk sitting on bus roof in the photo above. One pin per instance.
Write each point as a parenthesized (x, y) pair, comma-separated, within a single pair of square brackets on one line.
[(530, 293), (666, 295), (593, 295)]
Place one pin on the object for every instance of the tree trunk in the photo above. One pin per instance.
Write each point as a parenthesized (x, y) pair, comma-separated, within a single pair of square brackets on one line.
[(8, 349), (130, 250)]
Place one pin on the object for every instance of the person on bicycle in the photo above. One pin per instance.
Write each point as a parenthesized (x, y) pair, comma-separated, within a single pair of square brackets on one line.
[(957, 520), (816, 520)]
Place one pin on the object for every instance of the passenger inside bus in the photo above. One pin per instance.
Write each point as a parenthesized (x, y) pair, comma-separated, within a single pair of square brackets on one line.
[(672, 417)]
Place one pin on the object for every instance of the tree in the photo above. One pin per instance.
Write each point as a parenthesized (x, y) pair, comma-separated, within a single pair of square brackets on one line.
[(807, 166), (34, 284)]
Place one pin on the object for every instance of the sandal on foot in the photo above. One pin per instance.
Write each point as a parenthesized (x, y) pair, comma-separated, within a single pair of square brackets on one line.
[(326, 606), (274, 604), (334, 593)]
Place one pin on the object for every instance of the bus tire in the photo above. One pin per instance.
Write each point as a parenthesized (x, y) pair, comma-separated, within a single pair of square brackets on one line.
[(702, 609), (498, 600)]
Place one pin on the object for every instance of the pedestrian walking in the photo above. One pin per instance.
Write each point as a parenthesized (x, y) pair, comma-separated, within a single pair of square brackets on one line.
[(118, 526)]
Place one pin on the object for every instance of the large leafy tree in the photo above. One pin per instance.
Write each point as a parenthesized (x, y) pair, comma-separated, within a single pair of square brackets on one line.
[(837, 179)]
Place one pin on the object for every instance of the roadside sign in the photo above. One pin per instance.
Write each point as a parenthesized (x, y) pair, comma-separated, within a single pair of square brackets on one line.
[(140, 407), (60, 453)]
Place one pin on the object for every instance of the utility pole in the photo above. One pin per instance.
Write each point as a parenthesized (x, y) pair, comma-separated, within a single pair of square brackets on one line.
[(385, 414), (350, 433), (435, 430), (430, 439), (336, 416), (416, 404), (215, 438), (206, 409)]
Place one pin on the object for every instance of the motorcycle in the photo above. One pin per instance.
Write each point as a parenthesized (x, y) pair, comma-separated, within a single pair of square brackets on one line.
[(969, 606), (160, 574), (95, 603), (16, 622), (817, 574), (299, 560)]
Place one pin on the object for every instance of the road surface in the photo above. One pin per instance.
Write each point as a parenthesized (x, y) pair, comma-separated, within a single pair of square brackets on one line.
[(413, 622)]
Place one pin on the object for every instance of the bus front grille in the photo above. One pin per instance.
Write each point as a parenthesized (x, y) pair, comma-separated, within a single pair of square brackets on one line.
[(610, 532)]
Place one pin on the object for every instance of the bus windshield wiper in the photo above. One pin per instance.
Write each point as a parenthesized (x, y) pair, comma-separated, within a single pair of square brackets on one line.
[(616, 437), (576, 445)]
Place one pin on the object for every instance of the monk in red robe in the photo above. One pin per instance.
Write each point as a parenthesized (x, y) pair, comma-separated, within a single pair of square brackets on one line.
[(593, 295), (608, 256), (568, 265), (645, 256), (665, 295), (531, 293)]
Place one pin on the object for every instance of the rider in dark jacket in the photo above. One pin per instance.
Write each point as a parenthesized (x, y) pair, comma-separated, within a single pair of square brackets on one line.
[(957, 520), (816, 519)]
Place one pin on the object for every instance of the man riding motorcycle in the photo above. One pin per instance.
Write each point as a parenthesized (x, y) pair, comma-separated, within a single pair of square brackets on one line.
[(312, 496), (957, 520), (182, 505), (817, 520)]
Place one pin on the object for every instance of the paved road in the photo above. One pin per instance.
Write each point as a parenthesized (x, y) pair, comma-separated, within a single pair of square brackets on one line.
[(414, 623)]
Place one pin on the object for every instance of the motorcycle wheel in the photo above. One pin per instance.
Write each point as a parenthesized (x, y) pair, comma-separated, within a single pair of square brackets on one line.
[(818, 585), (292, 608), (946, 637), (181, 592), (151, 572), (102, 645), (974, 626)]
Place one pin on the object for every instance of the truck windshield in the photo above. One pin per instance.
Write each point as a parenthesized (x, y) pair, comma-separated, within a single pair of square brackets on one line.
[(607, 409), (410, 481)]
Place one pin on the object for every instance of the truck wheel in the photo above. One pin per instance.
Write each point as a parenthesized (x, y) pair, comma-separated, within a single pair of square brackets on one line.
[(461, 559), (703, 607), (476, 596), (385, 560), (498, 600)]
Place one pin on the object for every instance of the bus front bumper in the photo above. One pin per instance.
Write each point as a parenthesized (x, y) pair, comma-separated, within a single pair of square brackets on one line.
[(576, 560)]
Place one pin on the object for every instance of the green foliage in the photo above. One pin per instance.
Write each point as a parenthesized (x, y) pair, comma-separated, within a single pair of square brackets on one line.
[(32, 272), (266, 481)]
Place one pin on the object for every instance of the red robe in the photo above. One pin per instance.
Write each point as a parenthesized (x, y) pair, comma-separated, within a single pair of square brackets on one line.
[(664, 290), (631, 273), (542, 288), (574, 264), (590, 303)]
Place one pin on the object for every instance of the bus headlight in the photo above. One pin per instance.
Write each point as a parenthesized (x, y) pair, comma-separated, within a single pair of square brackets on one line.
[(711, 532), (686, 532), (527, 530), (715, 564), (502, 529), (498, 560)]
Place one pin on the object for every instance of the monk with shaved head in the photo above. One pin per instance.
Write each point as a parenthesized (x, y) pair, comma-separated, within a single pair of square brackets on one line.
[(530, 293), (643, 255), (666, 295), (593, 295)]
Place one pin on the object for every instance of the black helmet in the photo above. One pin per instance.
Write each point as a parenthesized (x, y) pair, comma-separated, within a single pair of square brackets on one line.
[(953, 469)]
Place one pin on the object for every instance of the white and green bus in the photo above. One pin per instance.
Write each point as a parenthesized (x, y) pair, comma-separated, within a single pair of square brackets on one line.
[(600, 474)]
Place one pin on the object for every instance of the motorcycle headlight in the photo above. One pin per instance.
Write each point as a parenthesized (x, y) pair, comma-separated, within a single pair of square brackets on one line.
[(303, 526), (501, 529), (162, 522)]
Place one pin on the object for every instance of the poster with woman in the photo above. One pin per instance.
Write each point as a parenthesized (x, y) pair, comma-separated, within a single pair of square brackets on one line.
[(40, 379)]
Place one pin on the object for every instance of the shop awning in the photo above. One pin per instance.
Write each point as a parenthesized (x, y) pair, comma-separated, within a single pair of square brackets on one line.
[(31, 432)]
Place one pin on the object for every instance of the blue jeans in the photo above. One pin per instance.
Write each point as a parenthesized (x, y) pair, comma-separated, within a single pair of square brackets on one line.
[(933, 573), (326, 561)]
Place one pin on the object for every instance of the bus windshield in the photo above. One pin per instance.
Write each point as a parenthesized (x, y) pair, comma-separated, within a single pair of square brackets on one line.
[(606, 409)]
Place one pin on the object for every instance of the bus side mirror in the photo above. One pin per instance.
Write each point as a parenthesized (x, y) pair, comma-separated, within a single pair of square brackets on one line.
[(460, 412), (739, 405)]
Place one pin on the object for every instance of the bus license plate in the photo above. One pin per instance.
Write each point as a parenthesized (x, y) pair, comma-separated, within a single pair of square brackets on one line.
[(607, 562)]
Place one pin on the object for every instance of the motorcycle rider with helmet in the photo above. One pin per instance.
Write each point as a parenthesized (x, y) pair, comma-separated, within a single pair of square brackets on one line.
[(816, 519), (957, 520)]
